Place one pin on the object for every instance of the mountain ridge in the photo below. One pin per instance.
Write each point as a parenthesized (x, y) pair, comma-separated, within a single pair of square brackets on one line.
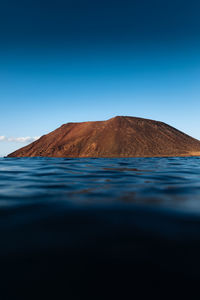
[(120, 136)]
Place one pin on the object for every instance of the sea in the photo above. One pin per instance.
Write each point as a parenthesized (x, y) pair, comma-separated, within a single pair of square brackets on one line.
[(99, 227)]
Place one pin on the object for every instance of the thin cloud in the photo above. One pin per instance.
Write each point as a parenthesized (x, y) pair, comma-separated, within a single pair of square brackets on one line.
[(2, 138), (26, 139)]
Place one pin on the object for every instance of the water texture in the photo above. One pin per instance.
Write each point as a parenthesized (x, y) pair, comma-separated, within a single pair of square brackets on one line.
[(99, 228), (157, 182)]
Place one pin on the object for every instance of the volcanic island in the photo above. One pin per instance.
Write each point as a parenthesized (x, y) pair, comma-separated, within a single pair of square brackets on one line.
[(121, 136)]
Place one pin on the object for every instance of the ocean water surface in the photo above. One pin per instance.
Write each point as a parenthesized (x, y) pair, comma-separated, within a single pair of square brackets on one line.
[(68, 223), (172, 183)]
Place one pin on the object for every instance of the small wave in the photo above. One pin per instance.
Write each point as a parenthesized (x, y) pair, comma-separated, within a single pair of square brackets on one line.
[(173, 182)]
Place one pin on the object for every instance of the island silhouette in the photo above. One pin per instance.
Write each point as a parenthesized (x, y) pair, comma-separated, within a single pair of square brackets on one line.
[(121, 136)]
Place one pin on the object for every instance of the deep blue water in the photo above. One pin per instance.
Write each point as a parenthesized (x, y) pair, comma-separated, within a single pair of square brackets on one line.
[(77, 227), (164, 183)]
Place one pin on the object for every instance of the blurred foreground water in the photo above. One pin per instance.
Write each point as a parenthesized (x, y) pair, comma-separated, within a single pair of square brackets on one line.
[(99, 227)]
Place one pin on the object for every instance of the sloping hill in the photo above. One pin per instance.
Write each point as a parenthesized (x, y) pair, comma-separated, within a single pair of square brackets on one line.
[(117, 137)]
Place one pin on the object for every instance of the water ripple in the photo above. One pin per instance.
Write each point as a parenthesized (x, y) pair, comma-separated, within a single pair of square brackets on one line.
[(163, 182)]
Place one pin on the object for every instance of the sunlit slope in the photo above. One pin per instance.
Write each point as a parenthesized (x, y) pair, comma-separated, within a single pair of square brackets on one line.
[(117, 137)]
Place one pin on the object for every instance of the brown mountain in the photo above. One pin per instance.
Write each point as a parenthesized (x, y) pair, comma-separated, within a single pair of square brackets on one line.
[(116, 137)]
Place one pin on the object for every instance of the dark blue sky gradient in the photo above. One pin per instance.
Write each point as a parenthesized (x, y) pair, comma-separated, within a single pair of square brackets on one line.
[(83, 23), (64, 61)]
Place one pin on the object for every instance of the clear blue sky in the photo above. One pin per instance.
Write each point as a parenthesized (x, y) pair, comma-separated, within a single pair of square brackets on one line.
[(95, 66)]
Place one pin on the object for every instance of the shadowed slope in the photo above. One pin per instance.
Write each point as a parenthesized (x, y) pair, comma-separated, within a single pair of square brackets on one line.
[(116, 137)]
